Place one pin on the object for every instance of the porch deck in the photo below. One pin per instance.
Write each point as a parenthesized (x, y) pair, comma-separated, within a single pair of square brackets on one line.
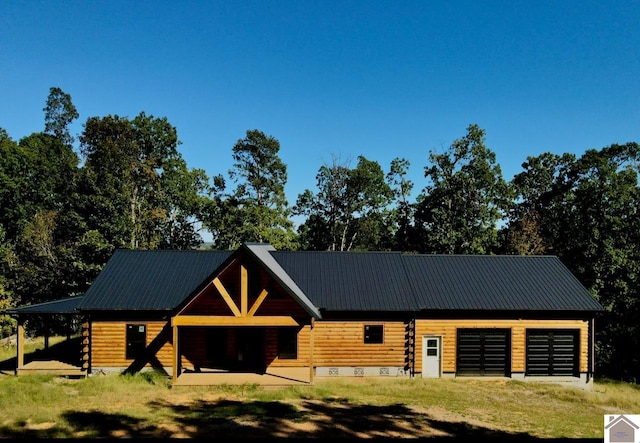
[(54, 367), (273, 377)]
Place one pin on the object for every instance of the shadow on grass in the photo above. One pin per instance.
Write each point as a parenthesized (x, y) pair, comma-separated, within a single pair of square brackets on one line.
[(231, 419)]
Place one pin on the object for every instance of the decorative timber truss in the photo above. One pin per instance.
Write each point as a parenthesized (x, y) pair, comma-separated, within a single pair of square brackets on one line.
[(242, 316), (239, 314)]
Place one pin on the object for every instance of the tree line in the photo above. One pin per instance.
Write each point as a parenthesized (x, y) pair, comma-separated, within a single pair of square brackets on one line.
[(65, 209)]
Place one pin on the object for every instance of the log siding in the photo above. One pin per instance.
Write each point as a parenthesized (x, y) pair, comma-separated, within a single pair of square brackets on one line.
[(341, 343), (335, 343), (447, 329)]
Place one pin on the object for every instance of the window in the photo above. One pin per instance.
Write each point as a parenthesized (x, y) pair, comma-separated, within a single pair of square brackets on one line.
[(287, 343), (432, 347), (373, 334), (136, 340)]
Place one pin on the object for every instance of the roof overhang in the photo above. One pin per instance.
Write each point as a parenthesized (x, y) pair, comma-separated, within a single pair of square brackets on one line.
[(63, 306)]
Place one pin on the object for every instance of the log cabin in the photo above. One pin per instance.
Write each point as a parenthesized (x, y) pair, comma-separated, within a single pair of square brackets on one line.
[(333, 314)]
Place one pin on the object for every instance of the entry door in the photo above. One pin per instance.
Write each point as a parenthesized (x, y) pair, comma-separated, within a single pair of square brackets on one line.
[(431, 351), (250, 349)]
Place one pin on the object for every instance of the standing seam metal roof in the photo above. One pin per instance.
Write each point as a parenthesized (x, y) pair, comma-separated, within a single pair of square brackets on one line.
[(349, 281), (150, 280), (495, 283), (388, 281), (62, 306)]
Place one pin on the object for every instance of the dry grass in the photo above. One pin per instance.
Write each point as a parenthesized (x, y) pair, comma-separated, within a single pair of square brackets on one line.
[(145, 405)]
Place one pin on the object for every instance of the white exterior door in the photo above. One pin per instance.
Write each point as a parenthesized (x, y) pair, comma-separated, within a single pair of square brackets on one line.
[(431, 356)]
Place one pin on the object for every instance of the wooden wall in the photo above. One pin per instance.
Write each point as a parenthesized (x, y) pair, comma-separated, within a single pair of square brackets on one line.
[(447, 330), (304, 349), (108, 345), (341, 343), (335, 343), (109, 341)]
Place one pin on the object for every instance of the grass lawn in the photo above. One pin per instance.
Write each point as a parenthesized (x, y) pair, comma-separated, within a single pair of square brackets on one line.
[(145, 405)]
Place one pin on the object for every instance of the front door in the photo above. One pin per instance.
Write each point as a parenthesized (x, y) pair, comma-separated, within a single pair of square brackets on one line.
[(431, 356), (250, 349)]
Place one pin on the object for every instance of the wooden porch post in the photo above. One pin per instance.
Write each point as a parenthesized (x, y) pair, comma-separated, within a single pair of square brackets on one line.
[(46, 332), (20, 344), (176, 354), (311, 346), (69, 326), (592, 349)]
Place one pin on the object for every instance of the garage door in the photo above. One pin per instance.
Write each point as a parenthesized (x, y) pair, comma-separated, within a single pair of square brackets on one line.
[(484, 352), (552, 352)]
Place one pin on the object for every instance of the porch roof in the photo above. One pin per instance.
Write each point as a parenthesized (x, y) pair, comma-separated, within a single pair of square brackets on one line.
[(62, 306)]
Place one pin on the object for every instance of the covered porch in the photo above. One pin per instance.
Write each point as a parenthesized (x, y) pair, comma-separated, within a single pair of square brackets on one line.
[(68, 358), (248, 324)]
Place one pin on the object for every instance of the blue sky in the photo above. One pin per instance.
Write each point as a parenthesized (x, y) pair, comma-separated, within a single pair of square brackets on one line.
[(382, 79)]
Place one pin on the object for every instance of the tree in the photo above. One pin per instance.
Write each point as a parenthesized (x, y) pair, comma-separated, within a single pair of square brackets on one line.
[(345, 213), (37, 180), (184, 196), (602, 249), (466, 197), (135, 188), (524, 236), (59, 112), (36, 174), (537, 222), (256, 210), (402, 214), (586, 213), (8, 261)]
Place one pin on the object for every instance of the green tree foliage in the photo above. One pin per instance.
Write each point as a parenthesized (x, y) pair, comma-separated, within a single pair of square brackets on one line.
[(8, 262), (256, 210), (13, 171), (36, 174), (37, 182), (537, 219), (402, 213), (135, 189), (603, 249), (59, 113), (185, 196), (459, 210), (585, 211), (347, 211)]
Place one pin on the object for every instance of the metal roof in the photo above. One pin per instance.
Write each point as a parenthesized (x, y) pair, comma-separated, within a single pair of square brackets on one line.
[(350, 281), (388, 281), (520, 283), (347, 281), (61, 306), (150, 279)]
